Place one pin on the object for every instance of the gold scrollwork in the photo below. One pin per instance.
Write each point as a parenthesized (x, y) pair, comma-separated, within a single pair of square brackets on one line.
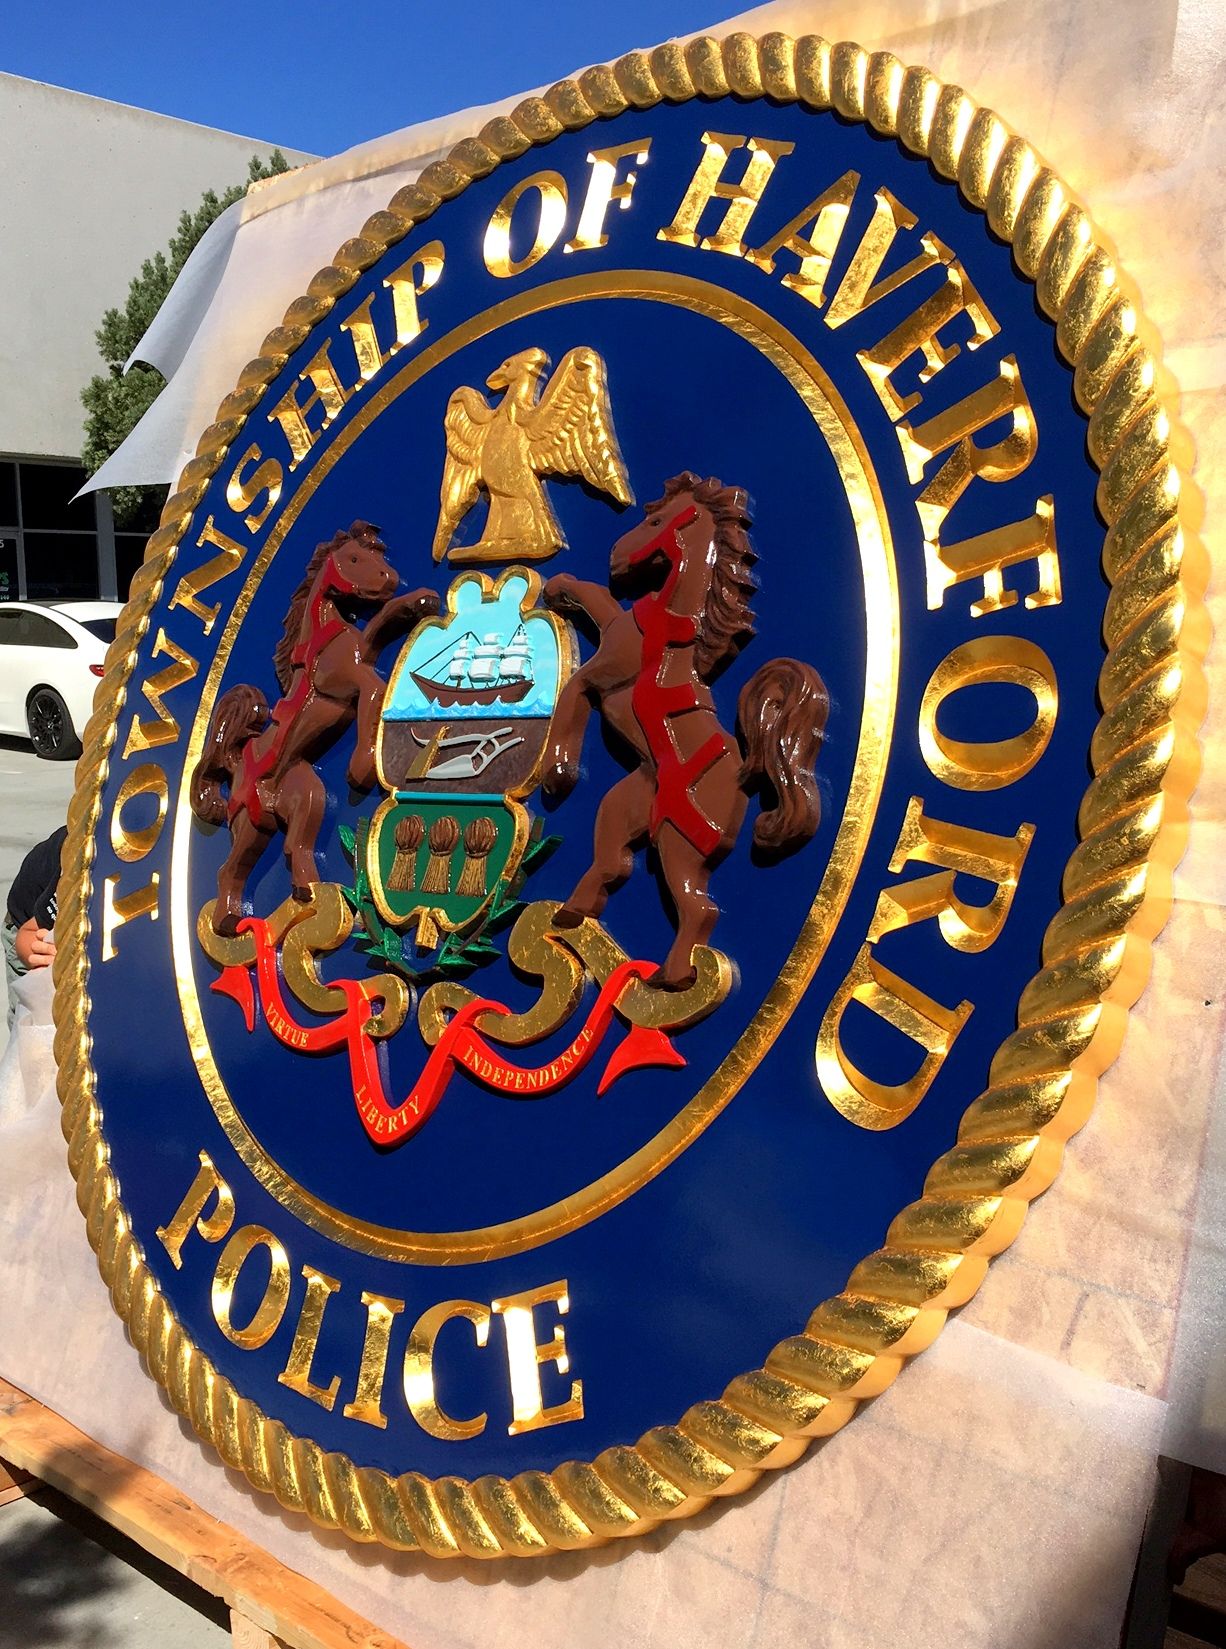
[(561, 958), (305, 929), (1116, 885)]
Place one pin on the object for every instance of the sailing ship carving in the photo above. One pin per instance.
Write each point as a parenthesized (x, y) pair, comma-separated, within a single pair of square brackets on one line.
[(472, 671)]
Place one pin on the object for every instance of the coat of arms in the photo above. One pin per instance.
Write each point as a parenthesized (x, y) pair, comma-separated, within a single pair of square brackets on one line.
[(486, 701)]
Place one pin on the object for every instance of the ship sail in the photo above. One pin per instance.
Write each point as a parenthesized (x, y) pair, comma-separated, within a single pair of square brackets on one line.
[(486, 658)]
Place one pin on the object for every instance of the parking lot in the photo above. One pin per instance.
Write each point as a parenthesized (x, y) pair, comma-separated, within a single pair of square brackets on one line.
[(34, 798)]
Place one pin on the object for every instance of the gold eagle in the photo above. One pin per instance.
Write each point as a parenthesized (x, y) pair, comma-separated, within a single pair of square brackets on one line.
[(503, 450)]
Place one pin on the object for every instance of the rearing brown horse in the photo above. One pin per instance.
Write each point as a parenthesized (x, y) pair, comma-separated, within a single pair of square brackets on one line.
[(689, 565), (325, 668)]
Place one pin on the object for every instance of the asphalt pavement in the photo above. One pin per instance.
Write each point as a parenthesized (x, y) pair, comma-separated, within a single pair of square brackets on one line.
[(66, 1580), (70, 1582)]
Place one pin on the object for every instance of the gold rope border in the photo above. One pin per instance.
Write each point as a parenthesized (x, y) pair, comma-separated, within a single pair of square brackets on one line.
[(1071, 1017)]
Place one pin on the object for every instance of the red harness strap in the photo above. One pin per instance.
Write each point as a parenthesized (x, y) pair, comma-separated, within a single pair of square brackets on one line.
[(655, 704), (252, 769)]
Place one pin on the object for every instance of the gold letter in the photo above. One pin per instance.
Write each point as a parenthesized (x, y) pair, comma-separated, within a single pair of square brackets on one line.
[(525, 1359), (146, 780), (851, 1091), (999, 462), (603, 189), (368, 1400), (419, 1369), (268, 1314), (816, 249), (706, 185), (956, 296), (326, 391), (551, 187), (997, 859), (297, 1374), (860, 289), (115, 911), (144, 735), (213, 1227), (240, 495), (362, 336), (187, 591), (989, 765), (406, 291), (988, 554)]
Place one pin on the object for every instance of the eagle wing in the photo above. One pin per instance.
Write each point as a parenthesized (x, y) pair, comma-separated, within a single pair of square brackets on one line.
[(570, 430), (467, 419)]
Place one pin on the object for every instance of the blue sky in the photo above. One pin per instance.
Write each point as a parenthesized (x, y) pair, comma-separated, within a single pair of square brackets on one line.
[(321, 77)]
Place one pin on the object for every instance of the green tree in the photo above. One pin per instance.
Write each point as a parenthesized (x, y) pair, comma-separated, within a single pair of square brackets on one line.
[(114, 400)]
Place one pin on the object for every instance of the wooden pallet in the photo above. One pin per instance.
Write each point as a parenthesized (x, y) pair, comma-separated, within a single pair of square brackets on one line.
[(271, 1607)]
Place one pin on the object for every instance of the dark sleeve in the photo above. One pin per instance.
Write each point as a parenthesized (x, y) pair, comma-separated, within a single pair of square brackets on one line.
[(35, 881)]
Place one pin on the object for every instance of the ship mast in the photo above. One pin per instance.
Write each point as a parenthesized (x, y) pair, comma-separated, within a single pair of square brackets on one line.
[(517, 657)]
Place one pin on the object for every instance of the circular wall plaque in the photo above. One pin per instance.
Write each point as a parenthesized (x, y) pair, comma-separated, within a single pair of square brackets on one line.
[(629, 801)]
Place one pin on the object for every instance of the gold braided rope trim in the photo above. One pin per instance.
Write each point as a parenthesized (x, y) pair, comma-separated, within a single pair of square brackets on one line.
[(1096, 953)]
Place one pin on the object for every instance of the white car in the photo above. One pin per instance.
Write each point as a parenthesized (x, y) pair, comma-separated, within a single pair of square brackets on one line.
[(51, 658)]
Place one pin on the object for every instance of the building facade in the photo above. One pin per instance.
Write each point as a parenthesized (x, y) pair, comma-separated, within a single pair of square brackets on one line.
[(91, 190)]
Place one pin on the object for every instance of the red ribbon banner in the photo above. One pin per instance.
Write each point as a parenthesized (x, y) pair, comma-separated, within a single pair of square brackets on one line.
[(461, 1046)]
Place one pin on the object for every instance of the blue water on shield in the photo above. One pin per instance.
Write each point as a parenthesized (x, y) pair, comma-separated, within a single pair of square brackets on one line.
[(483, 644)]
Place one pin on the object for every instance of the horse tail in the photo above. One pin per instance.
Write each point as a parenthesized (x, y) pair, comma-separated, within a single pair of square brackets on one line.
[(239, 715), (782, 714)]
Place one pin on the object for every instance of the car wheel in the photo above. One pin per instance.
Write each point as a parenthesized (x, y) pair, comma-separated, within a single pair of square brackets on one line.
[(51, 730)]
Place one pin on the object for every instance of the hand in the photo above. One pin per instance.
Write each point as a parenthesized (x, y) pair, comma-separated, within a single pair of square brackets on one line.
[(35, 946)]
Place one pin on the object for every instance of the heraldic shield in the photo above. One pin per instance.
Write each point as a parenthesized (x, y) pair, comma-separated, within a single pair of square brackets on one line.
[(465, 724)]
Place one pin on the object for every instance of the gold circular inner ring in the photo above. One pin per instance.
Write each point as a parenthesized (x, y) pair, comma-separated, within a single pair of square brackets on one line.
[(833, 419)]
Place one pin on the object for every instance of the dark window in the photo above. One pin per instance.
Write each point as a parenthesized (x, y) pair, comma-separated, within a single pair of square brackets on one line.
[(10, 629), (36, 630), (146, 516), (8, 495), (61, 566), (8, 569), (129, 553), (103, 628), (46, 497)]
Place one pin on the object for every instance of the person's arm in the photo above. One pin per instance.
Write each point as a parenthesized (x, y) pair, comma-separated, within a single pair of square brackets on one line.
[(34, 945)]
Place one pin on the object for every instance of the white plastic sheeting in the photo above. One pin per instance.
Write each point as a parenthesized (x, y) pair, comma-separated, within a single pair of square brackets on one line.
[(996, 1493)]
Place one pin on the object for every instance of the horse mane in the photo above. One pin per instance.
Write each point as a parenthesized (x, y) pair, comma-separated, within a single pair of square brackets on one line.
[(727, 622), (282, 663)]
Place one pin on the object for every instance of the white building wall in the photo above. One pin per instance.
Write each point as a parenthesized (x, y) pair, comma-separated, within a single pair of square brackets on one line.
[(88, 190)]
